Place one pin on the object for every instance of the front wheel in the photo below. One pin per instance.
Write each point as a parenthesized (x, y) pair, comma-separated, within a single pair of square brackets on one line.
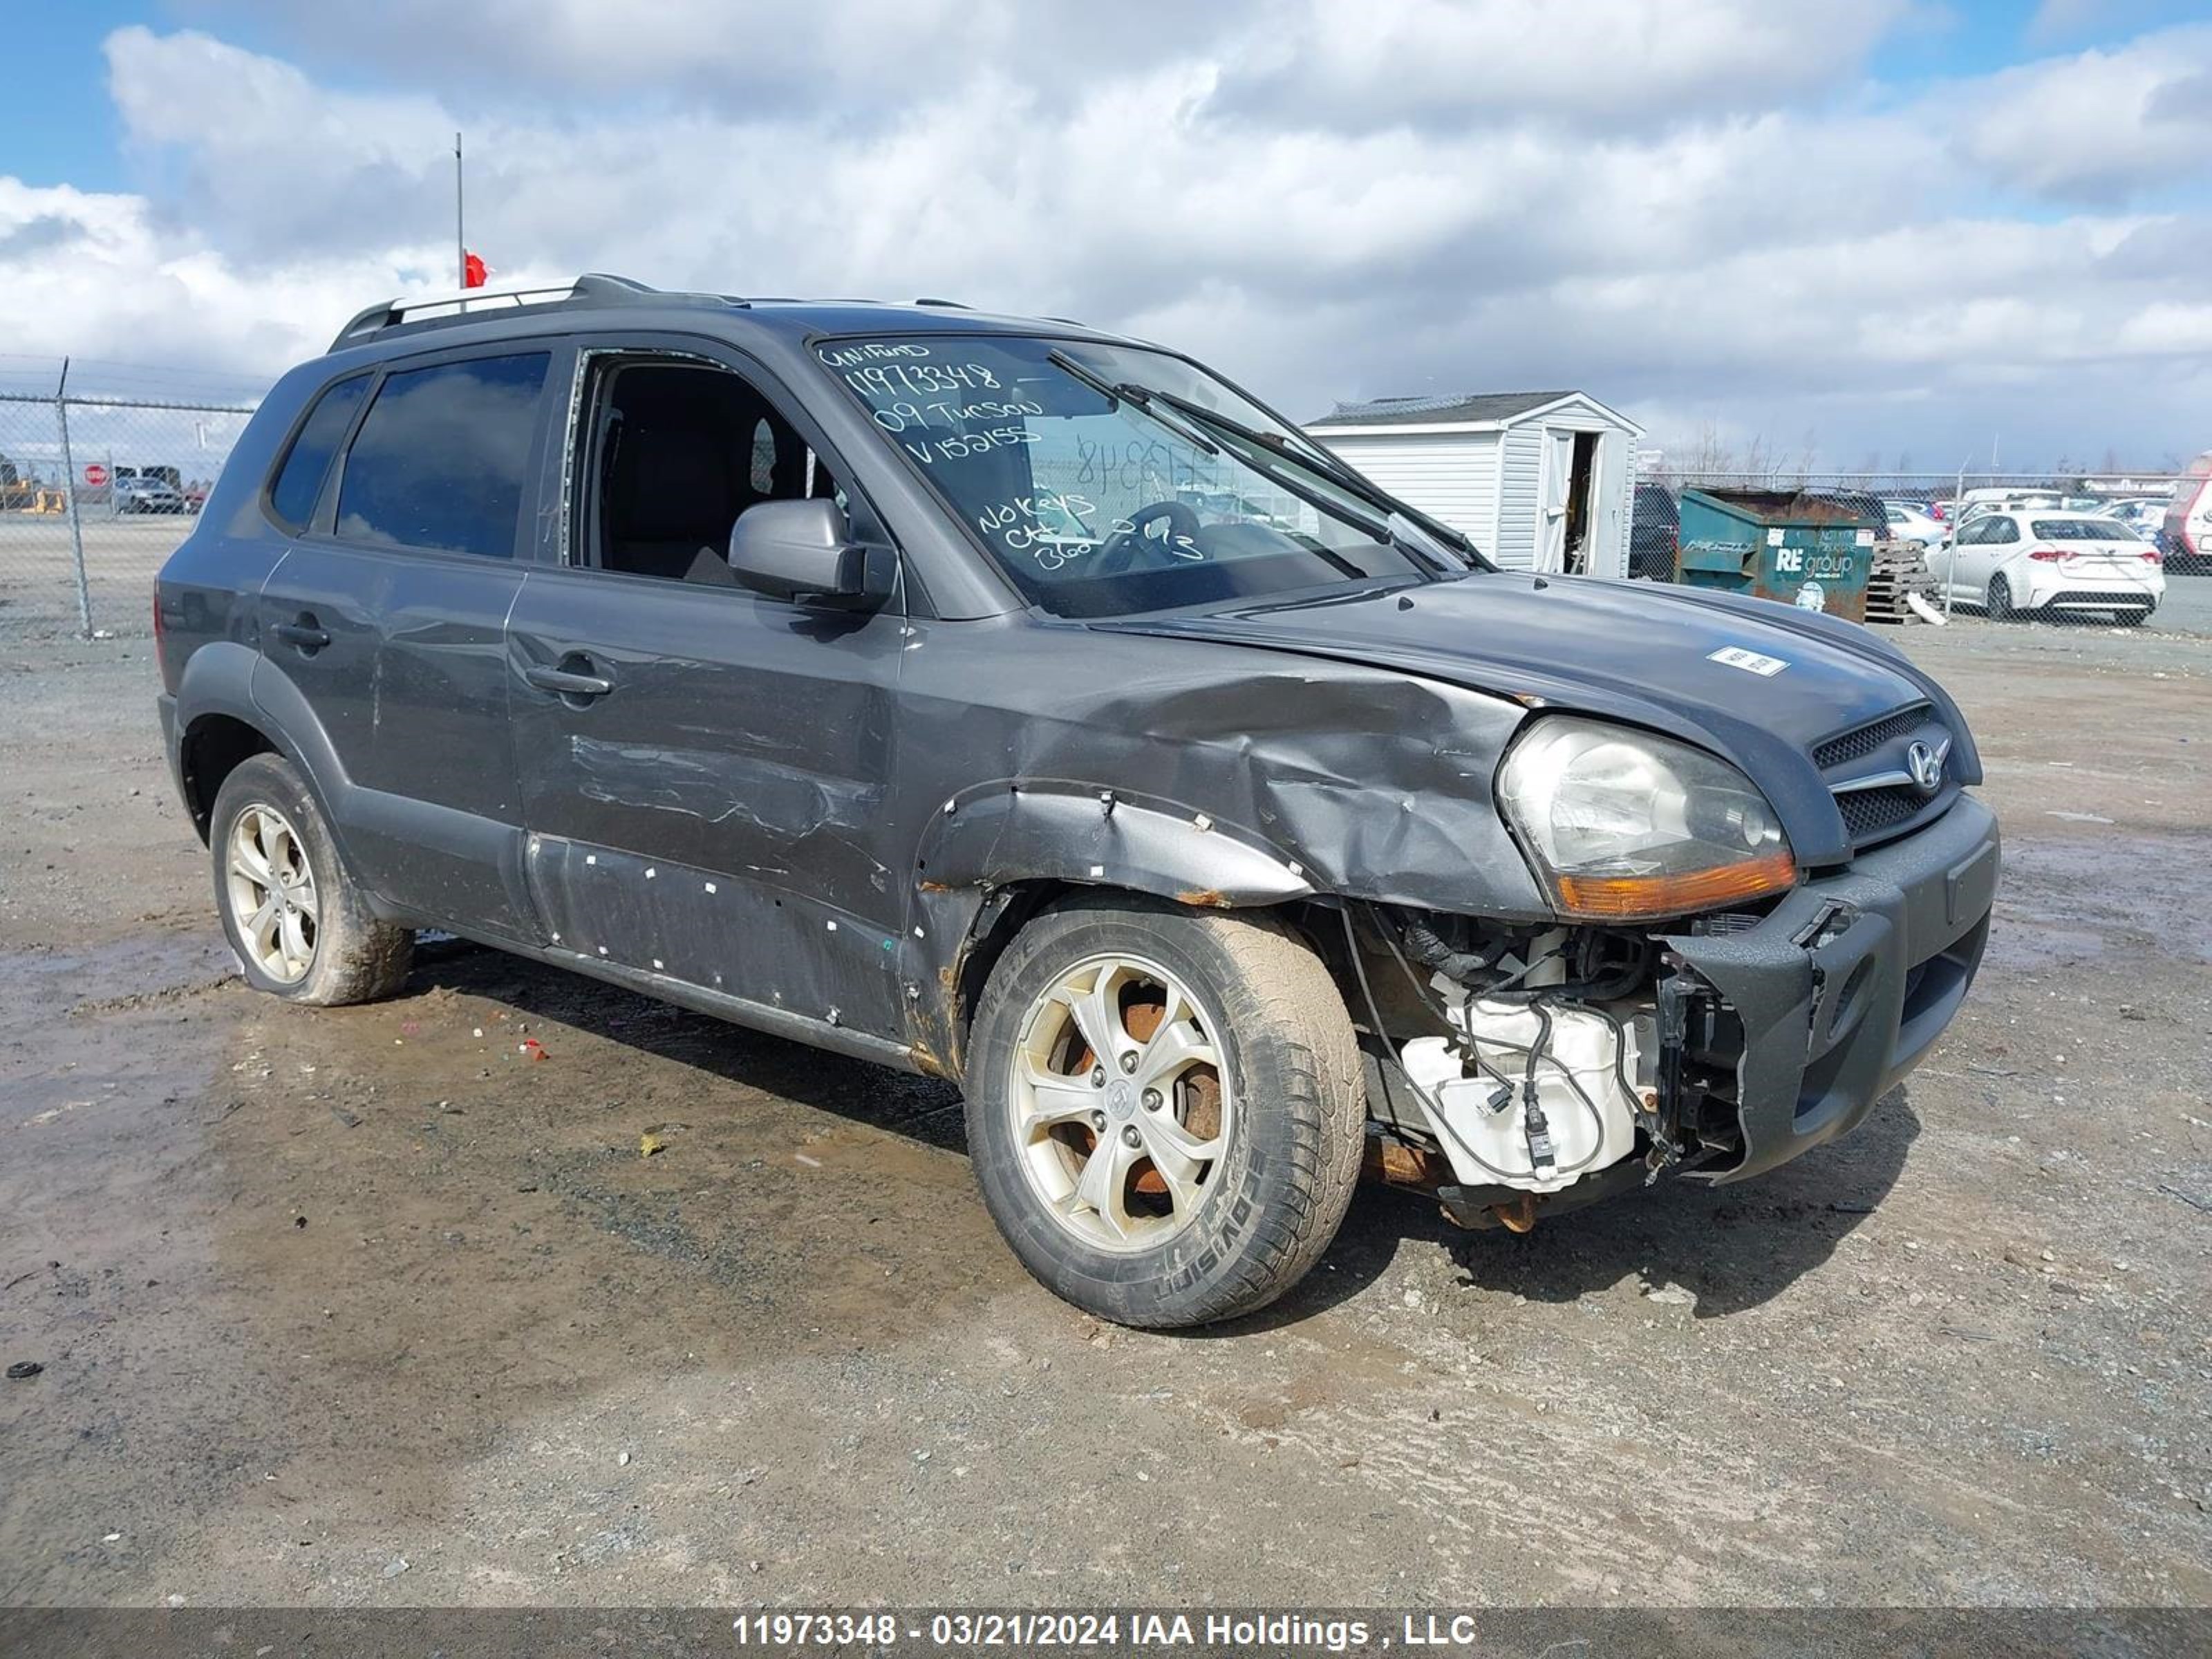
[(1164, 1109), (301, 926)]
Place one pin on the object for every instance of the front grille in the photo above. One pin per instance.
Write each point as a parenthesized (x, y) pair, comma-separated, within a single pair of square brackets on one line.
[(1858, 745), (1870, 812)]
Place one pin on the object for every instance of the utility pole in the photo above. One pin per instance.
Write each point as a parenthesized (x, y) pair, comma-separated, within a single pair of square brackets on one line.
[(69, 480), (461, 235)]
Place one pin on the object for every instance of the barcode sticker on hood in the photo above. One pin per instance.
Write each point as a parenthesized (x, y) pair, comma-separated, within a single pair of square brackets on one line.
[(1751, 661)]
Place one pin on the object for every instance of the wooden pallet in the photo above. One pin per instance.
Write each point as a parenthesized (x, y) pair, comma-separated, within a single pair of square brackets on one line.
[(1900, 568)]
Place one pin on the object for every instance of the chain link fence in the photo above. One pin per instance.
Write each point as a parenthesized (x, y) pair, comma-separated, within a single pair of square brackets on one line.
[(103, 470), (2064, 547)]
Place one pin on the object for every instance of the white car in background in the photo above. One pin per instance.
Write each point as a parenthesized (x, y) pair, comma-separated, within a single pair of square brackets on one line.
[(1975, 503), (2143, 514), (2045, 562), (1908, 523)]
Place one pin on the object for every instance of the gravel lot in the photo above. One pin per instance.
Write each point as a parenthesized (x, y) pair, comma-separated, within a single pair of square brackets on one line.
[(365, 1307)]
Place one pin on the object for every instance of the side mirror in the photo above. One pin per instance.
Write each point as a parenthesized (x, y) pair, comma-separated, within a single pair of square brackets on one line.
[(805, 550)]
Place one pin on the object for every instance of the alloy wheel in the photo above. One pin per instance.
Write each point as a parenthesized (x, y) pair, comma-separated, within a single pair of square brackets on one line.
[(1121, 1109), (271, 889)]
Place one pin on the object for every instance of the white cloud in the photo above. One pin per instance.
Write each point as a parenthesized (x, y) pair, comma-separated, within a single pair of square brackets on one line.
[(1675, 215), (1617, 64), (2102, 126)]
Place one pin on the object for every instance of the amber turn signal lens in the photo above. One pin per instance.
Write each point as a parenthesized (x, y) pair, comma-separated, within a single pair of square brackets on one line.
[(1648, 898)]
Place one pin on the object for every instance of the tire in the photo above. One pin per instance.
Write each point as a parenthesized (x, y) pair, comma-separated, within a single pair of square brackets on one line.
[(323, 946), (1287, 1109), (1998, 600)]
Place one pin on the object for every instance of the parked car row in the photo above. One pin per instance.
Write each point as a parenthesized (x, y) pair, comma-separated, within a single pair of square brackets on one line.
[(2013, 552)]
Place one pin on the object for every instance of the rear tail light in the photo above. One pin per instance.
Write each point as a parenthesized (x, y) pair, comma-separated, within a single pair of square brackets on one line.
[(2047, 555), (2151, 556)]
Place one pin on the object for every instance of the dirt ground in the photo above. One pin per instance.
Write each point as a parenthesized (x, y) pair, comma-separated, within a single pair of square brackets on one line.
[(366, 1306)]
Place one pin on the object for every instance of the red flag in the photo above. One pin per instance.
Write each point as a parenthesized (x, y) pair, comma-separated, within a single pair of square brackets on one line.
[(472, 271)]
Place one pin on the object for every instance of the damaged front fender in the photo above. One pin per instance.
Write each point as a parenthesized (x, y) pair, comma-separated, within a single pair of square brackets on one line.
[(1201, 773), (1057, 831)]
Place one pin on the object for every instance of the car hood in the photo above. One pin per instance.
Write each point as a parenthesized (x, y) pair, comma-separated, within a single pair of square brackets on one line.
[(1637, 651)]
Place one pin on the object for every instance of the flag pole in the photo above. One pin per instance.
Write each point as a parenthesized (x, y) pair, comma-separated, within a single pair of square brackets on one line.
[(461, 235)]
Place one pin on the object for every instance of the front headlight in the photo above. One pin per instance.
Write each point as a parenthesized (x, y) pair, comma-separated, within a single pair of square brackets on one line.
[(1623, 825)]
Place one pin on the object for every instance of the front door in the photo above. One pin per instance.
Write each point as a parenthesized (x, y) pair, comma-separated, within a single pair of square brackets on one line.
[(704, 770)]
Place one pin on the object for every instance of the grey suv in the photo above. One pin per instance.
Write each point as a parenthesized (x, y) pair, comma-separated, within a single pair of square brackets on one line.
[(1015, 703)]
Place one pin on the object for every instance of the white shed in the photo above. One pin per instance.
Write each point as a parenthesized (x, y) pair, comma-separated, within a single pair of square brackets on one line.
[(1539, 480)]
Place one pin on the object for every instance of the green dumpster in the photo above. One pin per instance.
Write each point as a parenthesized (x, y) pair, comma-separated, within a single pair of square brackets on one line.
[(1792, 545)]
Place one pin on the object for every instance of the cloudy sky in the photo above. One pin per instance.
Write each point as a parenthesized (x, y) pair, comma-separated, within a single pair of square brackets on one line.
[(1888, 229)]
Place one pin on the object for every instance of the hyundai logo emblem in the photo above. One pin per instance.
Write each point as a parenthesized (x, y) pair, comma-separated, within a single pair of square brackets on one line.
[(1926, 766)]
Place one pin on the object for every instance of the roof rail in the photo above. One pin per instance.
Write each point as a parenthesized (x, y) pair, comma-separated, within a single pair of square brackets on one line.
[(950, 304), (470, 305)]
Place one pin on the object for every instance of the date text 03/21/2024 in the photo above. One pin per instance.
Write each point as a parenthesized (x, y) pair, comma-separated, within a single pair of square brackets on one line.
[(1276, 1632)]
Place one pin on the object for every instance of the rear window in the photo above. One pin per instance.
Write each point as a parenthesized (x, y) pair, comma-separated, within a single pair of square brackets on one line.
[(299, 479), (440, 459), (2081, 530)]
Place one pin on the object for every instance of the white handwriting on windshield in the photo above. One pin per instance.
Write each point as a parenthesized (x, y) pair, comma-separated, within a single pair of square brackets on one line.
[(962, 445), (845, 356), (898, 416), (1048, 525), (898, 381)]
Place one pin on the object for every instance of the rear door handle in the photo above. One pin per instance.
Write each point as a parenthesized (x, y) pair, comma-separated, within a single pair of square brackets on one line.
[(305, 632), (568, 682)]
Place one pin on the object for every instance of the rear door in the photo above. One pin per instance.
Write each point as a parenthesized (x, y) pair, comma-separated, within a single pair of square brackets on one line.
[(387, 620), (704, 770)]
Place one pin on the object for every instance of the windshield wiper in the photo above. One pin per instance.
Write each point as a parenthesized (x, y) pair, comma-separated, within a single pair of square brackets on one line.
[(1316, 459), (1392, 528), (1136, 396)]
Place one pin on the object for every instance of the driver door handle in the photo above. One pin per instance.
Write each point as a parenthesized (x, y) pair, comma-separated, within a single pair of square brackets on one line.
[(304, 631), (568, 683)]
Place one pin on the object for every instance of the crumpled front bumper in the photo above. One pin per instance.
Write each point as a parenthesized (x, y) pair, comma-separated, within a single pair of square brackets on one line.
[(1846, 985)]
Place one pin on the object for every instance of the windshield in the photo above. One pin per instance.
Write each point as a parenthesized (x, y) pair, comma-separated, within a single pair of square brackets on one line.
[(1099, 495)]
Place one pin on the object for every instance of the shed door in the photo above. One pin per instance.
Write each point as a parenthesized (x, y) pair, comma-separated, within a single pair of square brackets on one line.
[(1552, 520)]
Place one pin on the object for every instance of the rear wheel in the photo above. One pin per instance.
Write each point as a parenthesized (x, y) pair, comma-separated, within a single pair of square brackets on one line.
[(2000, 599), (301, 926), (1164, 1109)]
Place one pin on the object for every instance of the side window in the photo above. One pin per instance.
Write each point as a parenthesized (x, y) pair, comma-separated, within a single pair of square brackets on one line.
[(300, 476), (682, 449), (763, 459), (440, 458), (2002, 528)]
